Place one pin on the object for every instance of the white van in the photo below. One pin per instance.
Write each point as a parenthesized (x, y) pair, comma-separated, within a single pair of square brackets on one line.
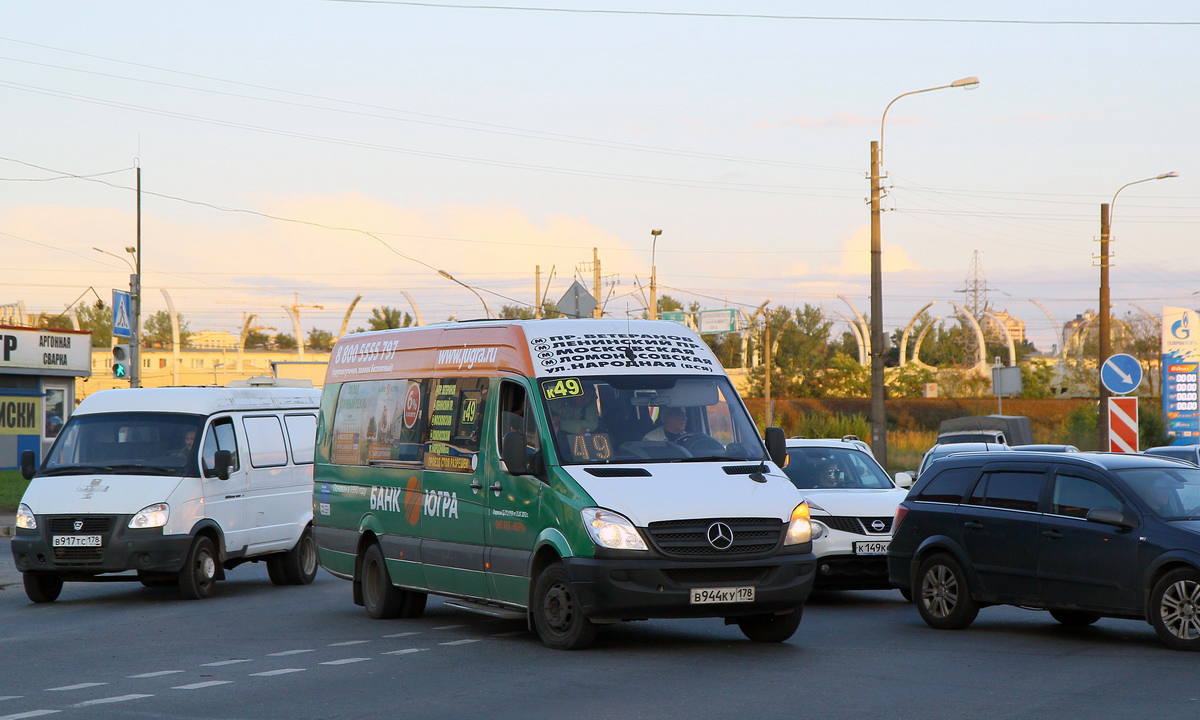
[(177, 484)]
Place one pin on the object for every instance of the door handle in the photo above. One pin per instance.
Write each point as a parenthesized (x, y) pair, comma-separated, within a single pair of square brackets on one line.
[(1052, 534), (476, 485), (496, 489), (972, 524)]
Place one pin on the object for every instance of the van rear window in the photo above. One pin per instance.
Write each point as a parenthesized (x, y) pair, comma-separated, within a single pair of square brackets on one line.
[(380, 421)]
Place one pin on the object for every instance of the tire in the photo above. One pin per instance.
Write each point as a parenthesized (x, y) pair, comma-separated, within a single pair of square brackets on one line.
[(300, 563), (381, 598), (771, 628), (41, 587), (275, 569), (1074, 618), (559, 621), (156, 580), (943, 595), (1175, 609), (199, 573)]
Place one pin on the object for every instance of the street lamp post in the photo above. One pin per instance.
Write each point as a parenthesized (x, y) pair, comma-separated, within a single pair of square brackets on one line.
[(486, 312), (654, 275), (878, 388), (1105, 330)]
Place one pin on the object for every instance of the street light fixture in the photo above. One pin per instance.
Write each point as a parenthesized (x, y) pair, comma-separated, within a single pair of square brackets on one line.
[(654, 275), (486, 312), (1105, 341), (878, 388)]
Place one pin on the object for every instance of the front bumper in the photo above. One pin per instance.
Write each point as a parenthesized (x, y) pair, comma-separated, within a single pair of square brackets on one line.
[(852, 572), (612, 589), (121, 548)]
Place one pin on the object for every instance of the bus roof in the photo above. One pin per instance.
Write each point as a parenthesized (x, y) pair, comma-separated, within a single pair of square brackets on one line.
[(198, 400)]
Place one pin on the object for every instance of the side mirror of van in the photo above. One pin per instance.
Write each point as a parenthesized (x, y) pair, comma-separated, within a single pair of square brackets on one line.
[(512, 452), (28, 464), (776, 445), (1109, 516), (222, 462), (904, 480)]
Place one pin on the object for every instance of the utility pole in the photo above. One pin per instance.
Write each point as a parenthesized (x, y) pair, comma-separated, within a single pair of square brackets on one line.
[(135, 286), (1105, 340), (878, 387), (598, 311), (654, 275), (770, 418), (537, 292)]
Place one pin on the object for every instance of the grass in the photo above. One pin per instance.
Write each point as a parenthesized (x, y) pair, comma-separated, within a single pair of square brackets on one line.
[(907, 447), (12, 486)]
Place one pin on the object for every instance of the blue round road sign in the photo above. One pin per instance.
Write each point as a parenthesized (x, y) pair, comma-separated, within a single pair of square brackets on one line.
[(1121, 374)]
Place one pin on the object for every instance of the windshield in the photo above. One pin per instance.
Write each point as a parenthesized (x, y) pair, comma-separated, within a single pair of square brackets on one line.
[(648, 418), (1169, 493), (813, 468), (133, 443)]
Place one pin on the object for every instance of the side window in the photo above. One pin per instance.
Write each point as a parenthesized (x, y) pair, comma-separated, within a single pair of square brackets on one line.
[(1012, 490), (302, 433), (455, 423), (516, 415), (1075, 496), (720, 422), (264, 435), (380, 421), (220, 436), (948, 486)]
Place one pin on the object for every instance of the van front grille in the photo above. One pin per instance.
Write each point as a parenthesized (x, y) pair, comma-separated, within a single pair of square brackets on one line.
[(689, 538)]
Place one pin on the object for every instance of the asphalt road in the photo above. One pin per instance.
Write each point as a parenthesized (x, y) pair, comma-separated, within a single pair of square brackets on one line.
[(118, 650)]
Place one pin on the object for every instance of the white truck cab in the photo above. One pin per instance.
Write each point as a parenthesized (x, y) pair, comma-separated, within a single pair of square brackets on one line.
[(176, 484)]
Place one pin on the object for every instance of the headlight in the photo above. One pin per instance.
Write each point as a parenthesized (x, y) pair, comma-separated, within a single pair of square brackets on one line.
[(800, 528), (818, 529), (151, 516), (25, 518), (610, 530)]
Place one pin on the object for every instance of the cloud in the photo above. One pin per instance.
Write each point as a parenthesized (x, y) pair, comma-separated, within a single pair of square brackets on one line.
[(856, 255)]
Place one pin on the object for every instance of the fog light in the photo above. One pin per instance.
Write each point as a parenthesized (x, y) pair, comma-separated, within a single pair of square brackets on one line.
[(825, 569)]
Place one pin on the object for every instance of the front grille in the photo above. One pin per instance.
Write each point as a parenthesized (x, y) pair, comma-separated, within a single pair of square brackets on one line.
[(689, 538), (856, 525), (78, 557), (698, 576), (92, 524)]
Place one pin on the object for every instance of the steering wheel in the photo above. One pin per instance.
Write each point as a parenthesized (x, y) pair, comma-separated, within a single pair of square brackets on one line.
[(699, 444)]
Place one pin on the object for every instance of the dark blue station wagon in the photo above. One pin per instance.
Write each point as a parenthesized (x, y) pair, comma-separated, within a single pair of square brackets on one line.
[(1083, 535)]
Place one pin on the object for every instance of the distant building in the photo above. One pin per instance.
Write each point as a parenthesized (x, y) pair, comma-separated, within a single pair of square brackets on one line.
[(213, 340), (1076, 326), (1015, 326)]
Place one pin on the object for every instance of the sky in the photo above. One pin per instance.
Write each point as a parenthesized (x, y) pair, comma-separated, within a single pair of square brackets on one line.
[(309, 151)]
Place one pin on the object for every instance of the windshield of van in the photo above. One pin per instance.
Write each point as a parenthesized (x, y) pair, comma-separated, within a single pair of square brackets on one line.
[(1170, 493), (133, 443), (648, 418)]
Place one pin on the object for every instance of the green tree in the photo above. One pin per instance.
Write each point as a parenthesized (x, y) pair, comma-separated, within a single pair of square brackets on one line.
[(320, 339), (57, 322), (97, 319), (846, 378), (256, 340), (285, 341), (666, 303), (1037, 380), (388, 318), (157, 330), (516, 312), (909, 381)]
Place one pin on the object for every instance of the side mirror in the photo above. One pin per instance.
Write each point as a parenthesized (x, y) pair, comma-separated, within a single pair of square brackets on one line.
[(904, 479), (1109, 516), (512, 452), (222, 462), (776, 445), (28, 464)]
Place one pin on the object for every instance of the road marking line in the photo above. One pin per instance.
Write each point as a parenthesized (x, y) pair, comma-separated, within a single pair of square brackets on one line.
[(108, 700), (201, 685), (511, 634), (11, 697), (157, 673), (284, 671), (461, 642), (447, 627), (348, 642), (345, 661), (80, 686), (224, 662), (30, 714), (403, 634), (290, 652), (405, 651)]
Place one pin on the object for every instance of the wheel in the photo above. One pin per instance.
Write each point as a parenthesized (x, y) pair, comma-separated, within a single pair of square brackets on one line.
[(156, 580), (199, 573), (300, 563), (944, 599), (42, 588), (556, 615), (1074, 618), (1175, 609), (275, 569), (771, 628)]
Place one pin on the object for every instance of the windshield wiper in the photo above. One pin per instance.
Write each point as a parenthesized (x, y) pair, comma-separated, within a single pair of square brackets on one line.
[(74, 470), (703, 458), (132, 469)]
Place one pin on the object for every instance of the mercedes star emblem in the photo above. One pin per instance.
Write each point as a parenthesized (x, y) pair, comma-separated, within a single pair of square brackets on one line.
[(720, 536)]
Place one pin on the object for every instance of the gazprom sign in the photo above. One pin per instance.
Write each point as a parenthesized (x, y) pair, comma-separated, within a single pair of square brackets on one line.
[(1181, 375)]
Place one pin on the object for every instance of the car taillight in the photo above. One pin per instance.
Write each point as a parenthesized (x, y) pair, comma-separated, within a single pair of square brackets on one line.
[(901, 511)]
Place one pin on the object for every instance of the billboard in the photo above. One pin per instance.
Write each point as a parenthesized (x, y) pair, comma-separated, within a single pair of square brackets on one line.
[(1180, 366)]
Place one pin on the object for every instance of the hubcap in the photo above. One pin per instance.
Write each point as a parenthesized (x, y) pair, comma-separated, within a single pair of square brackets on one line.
[(558, 608), (308, 558), (208, 567), (939, 591), (1180, 609)]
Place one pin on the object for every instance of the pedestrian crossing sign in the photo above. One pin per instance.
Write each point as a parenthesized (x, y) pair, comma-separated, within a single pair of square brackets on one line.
[(122, 314)]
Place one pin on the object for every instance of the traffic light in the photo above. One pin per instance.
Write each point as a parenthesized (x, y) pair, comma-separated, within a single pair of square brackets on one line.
[(120, 361)]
